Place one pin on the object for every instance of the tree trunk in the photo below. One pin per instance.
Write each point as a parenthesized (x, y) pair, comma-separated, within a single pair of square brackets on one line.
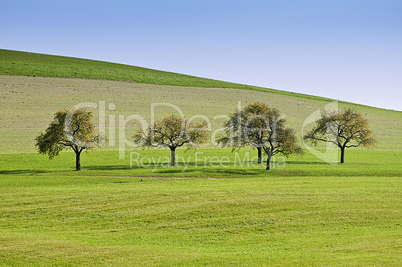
[(259, 154), (78, 160), (269, 160), (342, 155), (172, 156)]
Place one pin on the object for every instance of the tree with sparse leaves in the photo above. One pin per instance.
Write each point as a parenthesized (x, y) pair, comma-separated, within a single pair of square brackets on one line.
[(345, 129), (73, 130), (173, 132), (234, 128), (262, 127)]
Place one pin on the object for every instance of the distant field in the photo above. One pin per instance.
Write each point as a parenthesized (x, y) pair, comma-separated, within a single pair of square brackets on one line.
[(33, 64), (29, 103)]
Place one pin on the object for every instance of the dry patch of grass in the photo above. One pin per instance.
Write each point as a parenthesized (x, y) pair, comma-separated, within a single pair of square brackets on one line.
[(29, 103)]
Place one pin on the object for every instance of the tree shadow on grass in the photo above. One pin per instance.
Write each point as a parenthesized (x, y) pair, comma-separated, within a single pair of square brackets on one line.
[(72, 169), (309, 162), (108, 168), (207, 172), (23, 172)]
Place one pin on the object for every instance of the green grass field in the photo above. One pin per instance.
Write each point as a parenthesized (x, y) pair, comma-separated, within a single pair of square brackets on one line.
[(303, 212), (216, 207)]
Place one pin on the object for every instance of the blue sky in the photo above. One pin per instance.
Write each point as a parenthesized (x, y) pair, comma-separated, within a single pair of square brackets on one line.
[(343, 49)]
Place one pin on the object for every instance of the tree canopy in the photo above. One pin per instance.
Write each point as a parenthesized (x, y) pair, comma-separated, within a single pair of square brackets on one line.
[(173, 132), (345, 129), (262, 127), (68, 130)]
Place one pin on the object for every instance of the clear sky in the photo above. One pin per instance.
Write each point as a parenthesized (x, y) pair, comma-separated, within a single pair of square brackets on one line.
[(343, 49)]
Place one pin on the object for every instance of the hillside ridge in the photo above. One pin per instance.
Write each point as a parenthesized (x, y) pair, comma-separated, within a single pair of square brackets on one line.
[(68, 67), (21, 63)]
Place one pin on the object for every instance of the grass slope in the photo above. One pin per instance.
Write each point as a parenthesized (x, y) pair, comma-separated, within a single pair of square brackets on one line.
[(317, 221), (305, 213), (29, 103), (33, 64)]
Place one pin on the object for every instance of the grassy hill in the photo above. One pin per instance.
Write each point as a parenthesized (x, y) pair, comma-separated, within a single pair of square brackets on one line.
[(120, 212), (33, 64), (32, 90)]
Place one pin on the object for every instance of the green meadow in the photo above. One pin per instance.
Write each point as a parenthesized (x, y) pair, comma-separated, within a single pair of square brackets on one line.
[(217, 207), (303, 212)]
